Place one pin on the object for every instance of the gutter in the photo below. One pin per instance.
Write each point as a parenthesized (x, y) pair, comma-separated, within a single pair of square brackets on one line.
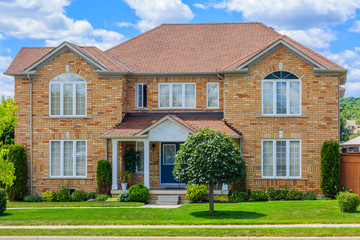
[(21, 74)]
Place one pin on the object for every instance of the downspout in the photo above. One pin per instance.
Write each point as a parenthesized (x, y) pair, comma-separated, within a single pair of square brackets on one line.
[(339, 121), (31, 135)]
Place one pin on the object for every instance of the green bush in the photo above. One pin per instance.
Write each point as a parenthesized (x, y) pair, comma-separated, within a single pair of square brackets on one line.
[(196, 193), (132, 159), (237, 196), (259, 195), (294, 194), (330, 165), (2, 201), (124, 198), (64, 194), (32, 198), (79, 195), (310, 196), (102, 197), (348, 202), (138, 193), (17, 155), (91, 195), (49, 196), (276, 194), (103, 175)]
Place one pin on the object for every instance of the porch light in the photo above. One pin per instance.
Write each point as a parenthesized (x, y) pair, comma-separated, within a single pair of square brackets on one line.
[(153, 147)]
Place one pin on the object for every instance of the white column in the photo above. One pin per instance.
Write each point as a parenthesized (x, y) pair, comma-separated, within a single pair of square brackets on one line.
[(115, 185), (147, 164), (225, 187)]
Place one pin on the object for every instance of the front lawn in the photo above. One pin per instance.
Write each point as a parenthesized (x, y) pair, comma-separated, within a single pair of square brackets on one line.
[(72, 204), (273, 212)]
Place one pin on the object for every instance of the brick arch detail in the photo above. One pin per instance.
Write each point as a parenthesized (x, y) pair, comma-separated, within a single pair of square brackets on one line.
[(51, 74), (289, 68)]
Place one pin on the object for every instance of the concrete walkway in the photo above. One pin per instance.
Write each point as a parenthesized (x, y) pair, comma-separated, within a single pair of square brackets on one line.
[(180, 226)]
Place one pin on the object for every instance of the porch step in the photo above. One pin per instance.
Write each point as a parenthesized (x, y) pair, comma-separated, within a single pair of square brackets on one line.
[(168, 200)]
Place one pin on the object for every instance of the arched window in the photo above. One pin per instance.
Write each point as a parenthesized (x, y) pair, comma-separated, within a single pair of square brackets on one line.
[(67, 95), (281, 94)]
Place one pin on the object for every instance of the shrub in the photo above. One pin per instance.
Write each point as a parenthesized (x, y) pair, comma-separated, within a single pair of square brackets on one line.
[(2, 201), (294, 194), (124, 198), (49, 196), (348, 202), (32, 198), (132, 159), (342, 190), (310, 196), (102, 197), (103, 175), (237, 196), (276, 194), (138, 193), (330, 165), (79, 195), (196, 193), (64, 194), (259, 195), (91, 195), (16, 154)]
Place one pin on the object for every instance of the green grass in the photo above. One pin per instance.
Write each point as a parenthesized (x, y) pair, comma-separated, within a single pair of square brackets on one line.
[(275, 212), (230, 232), (72, 204)]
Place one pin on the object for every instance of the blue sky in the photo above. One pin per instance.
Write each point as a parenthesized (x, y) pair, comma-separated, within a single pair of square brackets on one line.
[(330, 27)]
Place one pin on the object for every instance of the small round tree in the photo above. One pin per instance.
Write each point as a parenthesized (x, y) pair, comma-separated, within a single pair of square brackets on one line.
[(209, 157)]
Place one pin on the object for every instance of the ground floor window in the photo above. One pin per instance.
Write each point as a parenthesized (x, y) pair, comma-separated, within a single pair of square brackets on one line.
[(281, 158), (140, 148), (67, 158)]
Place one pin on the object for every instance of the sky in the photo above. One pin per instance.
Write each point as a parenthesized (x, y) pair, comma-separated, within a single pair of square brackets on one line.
[(329, 27)]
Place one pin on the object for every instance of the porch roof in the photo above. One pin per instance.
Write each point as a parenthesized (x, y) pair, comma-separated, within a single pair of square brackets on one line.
[(133, 124)]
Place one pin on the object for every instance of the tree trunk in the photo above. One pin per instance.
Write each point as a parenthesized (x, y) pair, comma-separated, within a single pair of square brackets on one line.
[(211, 198)]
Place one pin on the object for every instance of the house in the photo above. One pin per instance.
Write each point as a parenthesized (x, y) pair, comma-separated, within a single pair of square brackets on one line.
[(351, 125), (352, 145), (276, 98)]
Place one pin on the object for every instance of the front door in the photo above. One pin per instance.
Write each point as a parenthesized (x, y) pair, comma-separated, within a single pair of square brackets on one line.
[(168, 156)]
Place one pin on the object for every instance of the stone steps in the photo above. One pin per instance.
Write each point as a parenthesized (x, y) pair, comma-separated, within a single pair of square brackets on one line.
[(168, 200)]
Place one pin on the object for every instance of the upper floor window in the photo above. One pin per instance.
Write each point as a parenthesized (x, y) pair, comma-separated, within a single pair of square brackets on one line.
[(141, 95), (177, 95), (212, 96), (281, 94), (67, 95)]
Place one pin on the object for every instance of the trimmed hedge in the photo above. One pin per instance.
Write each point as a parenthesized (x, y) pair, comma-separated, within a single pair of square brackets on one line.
[(32, 198), (2, 201), (196, 193), (330, 165), (348, 202), (103, 175), (138, 193), (237, 196)]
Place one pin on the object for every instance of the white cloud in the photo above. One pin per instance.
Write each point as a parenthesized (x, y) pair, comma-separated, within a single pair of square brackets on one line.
[(293, 14), (355, 27), (200, 5), (6, 82), (46, 19), (124, 24), (315, 38), (155, 12)]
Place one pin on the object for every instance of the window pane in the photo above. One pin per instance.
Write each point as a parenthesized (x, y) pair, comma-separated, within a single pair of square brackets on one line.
[(294, 158), (139, 95), (145, 95), (169, 154), (213, 95), (280, 158), (55, 99), (294, 97), (80, 99), (140, 148), (55, 158), (281, 97), (164, 95), (189, 95), (177, 95), (80, 158), (68, 99), (267, 158), (268, 97), (68, 158)]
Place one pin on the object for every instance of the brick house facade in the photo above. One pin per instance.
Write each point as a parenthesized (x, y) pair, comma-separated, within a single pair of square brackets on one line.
[(280, 149)]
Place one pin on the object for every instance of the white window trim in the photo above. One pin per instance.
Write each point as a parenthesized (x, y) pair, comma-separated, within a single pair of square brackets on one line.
[(74, 83), (136, 145), (274, 81), (171, 95), (137, 95), (287, 159), (207, 94), (62, 158)]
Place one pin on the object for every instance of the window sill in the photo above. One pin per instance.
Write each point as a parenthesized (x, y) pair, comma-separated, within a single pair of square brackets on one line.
[(141, 109), (303, 179), (167, 109), (282, 116), (48, 117), (68, 178)]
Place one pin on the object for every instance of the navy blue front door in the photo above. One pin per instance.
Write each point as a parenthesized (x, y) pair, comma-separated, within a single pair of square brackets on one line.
[(168, 155)]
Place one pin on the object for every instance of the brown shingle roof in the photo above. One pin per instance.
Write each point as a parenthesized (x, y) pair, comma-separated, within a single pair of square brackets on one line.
[(132, 124)]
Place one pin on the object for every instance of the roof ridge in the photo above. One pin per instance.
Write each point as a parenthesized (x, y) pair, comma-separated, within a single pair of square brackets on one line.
[(218, 23)]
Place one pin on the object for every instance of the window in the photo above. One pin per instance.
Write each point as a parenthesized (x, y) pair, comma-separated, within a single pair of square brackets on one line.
[(141, 95), (67, 158), (67, 95), (212, 95), (140, 148), (177, 95), (169, 154), (281, 158), (281, 94)]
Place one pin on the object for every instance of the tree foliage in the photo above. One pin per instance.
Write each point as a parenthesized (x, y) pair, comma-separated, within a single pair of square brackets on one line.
[(132, 159), (344, 132), (8, 121), (209, 157), (7, 170), (330, 167)]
